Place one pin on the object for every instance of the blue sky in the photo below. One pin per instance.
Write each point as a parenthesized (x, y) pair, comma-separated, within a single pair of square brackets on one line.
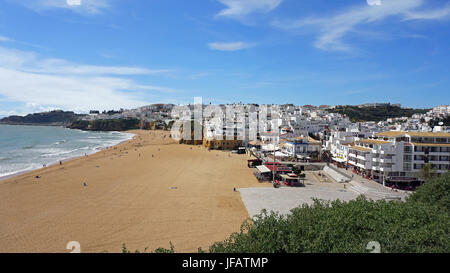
[(104, 54)]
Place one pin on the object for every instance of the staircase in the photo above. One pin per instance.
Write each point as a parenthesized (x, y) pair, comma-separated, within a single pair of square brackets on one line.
[(372, 193)]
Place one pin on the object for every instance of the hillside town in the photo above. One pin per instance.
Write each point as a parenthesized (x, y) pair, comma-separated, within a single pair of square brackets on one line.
[(391, 152)]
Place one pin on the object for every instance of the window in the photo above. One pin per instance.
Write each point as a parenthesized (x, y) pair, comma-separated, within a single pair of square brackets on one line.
[(407, 167)]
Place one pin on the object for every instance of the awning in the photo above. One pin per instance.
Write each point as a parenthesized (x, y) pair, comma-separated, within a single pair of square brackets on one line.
[(255, 143), (337, 159), (263, 169), (280, 154)]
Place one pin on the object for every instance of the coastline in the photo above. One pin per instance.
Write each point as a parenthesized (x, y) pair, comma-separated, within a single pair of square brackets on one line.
[(64, 160), (145, 192)]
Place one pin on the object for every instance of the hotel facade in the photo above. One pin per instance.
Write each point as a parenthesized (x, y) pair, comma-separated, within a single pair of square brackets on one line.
[(397, 156)]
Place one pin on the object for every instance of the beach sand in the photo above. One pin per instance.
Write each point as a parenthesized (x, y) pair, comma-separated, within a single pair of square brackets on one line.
[(182, 194)]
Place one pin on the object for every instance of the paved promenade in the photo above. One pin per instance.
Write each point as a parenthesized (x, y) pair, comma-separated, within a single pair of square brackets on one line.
[(282, 200), (370, 188)]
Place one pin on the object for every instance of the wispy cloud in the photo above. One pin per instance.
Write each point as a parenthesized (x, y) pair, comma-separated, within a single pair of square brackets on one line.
[(238, 8), (333, 29), (5, 39), (233, 46), (79, 6), (429, 14), (30, 62), (28, 79)]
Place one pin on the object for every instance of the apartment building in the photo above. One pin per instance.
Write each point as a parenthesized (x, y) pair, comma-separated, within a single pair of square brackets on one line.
[(301, 146), (398, 156), (339, 143)]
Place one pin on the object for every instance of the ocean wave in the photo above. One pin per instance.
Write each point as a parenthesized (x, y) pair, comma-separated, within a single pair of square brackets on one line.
[(63, 152), (54, 146), (16, 170)]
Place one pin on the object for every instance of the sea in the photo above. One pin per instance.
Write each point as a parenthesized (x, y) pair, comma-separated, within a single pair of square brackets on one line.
[(26, 148)]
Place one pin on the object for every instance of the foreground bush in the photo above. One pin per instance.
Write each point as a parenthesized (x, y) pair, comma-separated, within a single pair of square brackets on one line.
[(421, 224), (434, 192)]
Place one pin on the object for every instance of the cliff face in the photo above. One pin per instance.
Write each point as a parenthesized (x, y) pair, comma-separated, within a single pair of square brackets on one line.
[(57, 118), (74, 121), (106, 125)]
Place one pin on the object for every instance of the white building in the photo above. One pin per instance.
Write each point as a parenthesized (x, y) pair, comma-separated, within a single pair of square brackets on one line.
[(398, 156)]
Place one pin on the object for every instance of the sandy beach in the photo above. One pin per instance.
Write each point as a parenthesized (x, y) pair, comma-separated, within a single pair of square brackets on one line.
[(146, 192)]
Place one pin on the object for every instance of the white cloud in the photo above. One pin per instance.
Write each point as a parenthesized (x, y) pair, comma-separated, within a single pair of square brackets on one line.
[(334, 28), (80, 6), (27, 79), (73, 2), (429, 14), (374, 2), (234, 46), (237, 8), (5, 39), (30, 62), (58, 66)]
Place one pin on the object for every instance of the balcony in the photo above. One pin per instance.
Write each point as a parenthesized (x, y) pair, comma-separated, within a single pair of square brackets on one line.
[(437, 162), (387, 160), (361, 165), (438, 153), (360, 157)]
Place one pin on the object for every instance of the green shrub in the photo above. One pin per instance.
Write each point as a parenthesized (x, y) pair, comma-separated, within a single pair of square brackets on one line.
[(340, 227), (434, 192)]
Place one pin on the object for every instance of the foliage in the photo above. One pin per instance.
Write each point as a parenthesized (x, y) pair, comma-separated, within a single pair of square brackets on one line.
[(380, 113), (421, 224), (435, 122), (434, 193), (427, 172), (340, 227), (56, 117), (158, 250)]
